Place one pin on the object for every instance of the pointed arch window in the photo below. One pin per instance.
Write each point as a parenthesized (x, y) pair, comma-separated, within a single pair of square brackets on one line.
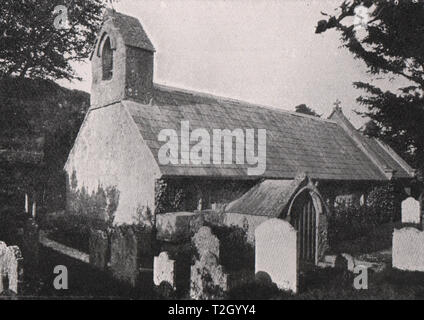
[(107, 60)]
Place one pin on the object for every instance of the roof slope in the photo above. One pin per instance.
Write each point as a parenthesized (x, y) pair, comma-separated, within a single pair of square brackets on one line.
[(380, 153), (131, 30), (267, 198), (295, 143), (389, 158)]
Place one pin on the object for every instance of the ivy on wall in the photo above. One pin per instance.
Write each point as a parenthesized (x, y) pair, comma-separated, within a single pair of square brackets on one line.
[(173, 195), (85, 211)]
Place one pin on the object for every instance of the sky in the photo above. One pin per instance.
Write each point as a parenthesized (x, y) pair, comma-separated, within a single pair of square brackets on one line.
[(260, 51)]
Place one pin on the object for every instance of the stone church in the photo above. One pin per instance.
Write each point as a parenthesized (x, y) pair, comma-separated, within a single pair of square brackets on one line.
[(114, 172)]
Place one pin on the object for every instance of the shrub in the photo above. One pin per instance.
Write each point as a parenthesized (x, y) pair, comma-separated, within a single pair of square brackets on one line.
[(235, 252), (351, 222)]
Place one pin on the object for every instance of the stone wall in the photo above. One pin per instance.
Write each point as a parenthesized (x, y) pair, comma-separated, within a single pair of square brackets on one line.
[(106, 92), (122, 163), (173, 195), (139, 75), (132, 76)]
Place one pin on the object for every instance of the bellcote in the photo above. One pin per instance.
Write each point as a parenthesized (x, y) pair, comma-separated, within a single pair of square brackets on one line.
[(122, 62)]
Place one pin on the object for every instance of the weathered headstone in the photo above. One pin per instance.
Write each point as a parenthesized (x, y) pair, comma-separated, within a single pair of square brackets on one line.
[(411, 212), (205, 242), (99, 246), (132, 256), (3, 248), (11, 265), (208, 279), (408, 249), (124, 255), (182, 255), (164, 270), (276, 253)]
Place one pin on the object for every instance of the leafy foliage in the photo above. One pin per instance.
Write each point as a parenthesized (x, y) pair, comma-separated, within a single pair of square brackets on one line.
[(40, 116), (348, 223), (32, 46), (392, 44), (303, 108)]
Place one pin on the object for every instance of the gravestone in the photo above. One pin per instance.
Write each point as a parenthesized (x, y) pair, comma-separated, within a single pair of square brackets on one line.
[(11, 266), (276, 253), (411, 212), (208, 279), (15, 270), (124, 255), (408, 249), (98, 246), (205, 242), (3, 248), (164, 271), (131, 254)]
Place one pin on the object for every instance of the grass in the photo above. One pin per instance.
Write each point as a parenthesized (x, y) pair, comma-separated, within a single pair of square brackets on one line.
[(331, 284), (379, 238), (84, 281), (318, 284)]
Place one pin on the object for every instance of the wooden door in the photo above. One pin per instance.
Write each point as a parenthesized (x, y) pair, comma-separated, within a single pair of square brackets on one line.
[(304, 221)]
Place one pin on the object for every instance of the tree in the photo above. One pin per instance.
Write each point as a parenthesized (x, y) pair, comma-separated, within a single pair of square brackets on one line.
[(392, 44), (38, 41), (303, 108)]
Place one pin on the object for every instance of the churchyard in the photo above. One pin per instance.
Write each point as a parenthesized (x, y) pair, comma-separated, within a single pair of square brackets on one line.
[(190, 256)]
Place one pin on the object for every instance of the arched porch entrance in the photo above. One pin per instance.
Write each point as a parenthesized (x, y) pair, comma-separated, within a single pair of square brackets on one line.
[(305, 212)]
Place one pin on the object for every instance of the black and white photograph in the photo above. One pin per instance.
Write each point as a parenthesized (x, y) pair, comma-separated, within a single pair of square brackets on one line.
[(219, 150)]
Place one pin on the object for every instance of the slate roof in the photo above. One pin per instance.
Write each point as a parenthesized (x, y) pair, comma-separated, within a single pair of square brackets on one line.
[(389, 158), (321, 148), (267, 198), (295, 143), (131, 30)]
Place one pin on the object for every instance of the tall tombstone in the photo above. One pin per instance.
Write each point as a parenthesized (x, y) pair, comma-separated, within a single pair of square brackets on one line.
[(411, 212), (3, 248), (13, 268), (124, 255), (276, 253), (131, 254), (208, 279), (99, 248)]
